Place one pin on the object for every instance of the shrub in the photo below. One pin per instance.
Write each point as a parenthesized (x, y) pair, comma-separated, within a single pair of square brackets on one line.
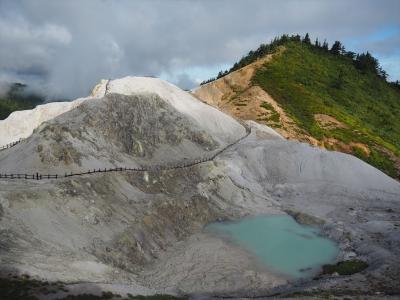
[(347, 267)]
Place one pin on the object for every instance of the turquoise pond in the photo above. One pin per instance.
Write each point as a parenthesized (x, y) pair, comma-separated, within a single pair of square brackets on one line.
[(280, 243)]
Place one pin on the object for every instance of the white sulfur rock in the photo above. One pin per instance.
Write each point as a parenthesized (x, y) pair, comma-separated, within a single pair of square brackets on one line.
[(20, 124)]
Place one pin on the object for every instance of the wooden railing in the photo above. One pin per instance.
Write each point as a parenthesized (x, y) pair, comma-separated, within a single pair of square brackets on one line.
[(10, 145), (180, 165)]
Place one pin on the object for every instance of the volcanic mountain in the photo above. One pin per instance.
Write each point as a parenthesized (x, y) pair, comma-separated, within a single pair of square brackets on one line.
[(142, 231)]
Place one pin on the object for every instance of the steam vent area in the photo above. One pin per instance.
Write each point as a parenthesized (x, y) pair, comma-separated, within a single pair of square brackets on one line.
[(143, 189)]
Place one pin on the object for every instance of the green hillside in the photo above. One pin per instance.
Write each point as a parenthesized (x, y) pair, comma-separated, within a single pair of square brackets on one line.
[(309, 79), (17, 99)]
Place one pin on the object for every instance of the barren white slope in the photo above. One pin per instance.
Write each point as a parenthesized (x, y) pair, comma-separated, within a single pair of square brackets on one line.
[(224, 128), (20, 124), (219, 125)]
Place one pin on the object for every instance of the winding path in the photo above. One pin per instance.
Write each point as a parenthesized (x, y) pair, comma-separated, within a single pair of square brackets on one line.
[(210, 157), (186, 164)]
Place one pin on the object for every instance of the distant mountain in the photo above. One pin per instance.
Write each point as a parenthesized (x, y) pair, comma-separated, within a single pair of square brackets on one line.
[(18, 98), (322, 95)]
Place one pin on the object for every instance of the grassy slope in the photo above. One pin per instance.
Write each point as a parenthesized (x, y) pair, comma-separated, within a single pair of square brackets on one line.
[(306, 81)]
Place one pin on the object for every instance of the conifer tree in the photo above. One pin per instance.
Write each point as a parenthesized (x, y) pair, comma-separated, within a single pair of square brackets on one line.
[(296, 38), (306, 39), (336, 48), (350, 54), (367, 63), (325, 46)]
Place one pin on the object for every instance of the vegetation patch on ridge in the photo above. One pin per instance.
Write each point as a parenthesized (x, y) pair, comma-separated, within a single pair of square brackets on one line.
[(273, 116), (309, 79)]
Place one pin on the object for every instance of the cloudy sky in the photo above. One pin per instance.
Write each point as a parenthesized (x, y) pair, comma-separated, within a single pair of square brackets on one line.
[(66, 47)]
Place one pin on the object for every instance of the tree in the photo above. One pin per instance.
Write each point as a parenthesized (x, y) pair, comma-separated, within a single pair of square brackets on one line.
[(350, 54), (207, 81), (222, 74), (336, 48), (325, 46), (343, 50), (307, 39), (284, 38), (395, 84), (382, 73), (317, 43), (367, 63), (296, 38)]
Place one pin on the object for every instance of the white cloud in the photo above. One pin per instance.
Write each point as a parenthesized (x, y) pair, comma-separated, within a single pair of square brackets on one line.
[(68, 46)]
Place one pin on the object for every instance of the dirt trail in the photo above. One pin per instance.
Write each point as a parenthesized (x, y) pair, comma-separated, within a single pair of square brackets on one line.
[(184, 164)]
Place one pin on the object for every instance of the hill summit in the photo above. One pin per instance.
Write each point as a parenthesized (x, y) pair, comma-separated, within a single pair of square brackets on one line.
[(311, 92)]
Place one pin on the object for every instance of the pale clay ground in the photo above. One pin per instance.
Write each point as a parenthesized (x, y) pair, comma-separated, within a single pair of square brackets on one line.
[(143, 232)]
